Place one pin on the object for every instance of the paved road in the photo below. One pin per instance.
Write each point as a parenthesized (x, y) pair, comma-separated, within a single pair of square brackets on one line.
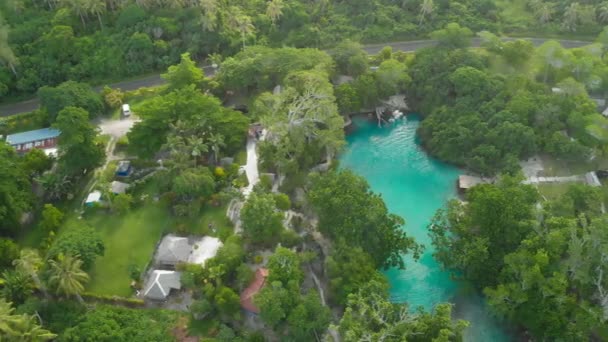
[(154, 80)]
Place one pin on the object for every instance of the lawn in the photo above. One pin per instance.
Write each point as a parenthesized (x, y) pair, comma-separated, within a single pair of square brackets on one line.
[(560, 168), (212, 217), (129, 241), (552, 191)]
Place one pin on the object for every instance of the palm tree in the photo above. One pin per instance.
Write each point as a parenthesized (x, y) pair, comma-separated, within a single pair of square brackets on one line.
[(217, 142), (97, 8), (210, 9), (571, 16), (20, 327), (67, 276), (239, 22), (602, 12), (16, 286), (426, 8), (245, 27), (6, 53), (79, 7), (274, 10), (29, 262), (544, 12), (197, 147)]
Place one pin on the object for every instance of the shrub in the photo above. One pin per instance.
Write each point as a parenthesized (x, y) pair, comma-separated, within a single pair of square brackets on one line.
[(290, 239), (258, 259), (282, 201)]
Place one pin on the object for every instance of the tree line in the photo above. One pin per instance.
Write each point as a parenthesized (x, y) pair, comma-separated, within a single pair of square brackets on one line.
[(44, 43)]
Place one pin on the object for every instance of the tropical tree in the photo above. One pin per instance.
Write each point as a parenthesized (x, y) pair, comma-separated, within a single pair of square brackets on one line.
[(544, 12), (602, 12), (16, 286), (571, 16), (274, 10), (96, 8), (20, 327), (217, 142), (6, 53), (29, 262), (67, 276), (78, 7), (426, 8), (239, 22)]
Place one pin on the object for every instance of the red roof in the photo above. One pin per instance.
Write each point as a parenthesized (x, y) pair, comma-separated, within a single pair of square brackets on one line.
[(256, 285)]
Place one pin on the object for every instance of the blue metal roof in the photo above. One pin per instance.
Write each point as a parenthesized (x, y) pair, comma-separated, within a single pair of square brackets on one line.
[(30, 136)]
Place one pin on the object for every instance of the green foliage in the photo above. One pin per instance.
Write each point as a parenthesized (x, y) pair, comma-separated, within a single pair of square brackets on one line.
[(230, 257), (122, 203), (308, 318), (348, 269), (284, 266), (15, 190), (24, 122), (35, 162), (262, 223), (542, 272), (197, 113), (20, 327), (51, 218), (350, 58), (305, 123), (261, 68), (453, 36), (112, 323), (183, 74), (9, 251), (113, 98), (282, 201), (227, 302), (475, 238), (350, 213), (370, 314), (16, 286), (78, 149), (83, 241), (194, 183), (70, 94)]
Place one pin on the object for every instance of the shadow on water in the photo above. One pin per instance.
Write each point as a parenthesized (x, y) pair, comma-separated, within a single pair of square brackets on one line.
[(414, 186)]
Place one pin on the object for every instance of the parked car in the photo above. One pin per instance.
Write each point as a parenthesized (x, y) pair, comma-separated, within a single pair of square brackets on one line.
[(126, 110)]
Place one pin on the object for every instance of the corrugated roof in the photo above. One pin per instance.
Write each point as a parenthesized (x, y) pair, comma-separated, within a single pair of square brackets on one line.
[(161, 282), (173, 250), (256, 285), (29, 136)]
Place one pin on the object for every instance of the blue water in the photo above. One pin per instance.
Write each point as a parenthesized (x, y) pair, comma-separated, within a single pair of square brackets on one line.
[(414, 186)]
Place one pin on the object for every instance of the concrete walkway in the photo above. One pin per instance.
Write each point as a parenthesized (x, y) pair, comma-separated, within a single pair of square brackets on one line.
[(251, 168), (568, 179)]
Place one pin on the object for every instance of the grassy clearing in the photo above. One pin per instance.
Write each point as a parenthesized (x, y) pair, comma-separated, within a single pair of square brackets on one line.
[(552, 191), (561, 168), (129, 241), (214, 217)]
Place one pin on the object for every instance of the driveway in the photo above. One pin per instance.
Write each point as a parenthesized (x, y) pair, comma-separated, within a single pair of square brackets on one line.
[(155, 80), (116, 128)]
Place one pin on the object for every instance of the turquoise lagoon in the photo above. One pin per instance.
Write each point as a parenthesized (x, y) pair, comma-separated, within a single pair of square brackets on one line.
[(414, 186)]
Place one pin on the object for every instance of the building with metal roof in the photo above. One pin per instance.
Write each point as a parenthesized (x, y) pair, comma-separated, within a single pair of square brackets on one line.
[(253, 289), (172, 251), (161, 283), (43, 138)]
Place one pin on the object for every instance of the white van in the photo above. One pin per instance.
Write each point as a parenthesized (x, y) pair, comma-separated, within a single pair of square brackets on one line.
[(126, 110)]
